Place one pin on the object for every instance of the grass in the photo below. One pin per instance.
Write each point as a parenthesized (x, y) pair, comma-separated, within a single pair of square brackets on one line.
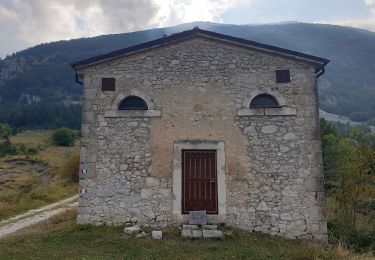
[(61, 238), (28, 182)]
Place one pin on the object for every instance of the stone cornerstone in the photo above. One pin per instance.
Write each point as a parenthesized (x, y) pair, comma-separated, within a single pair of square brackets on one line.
[(198, 92)]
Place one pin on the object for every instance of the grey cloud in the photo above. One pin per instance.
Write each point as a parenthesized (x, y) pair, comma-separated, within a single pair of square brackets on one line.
[(25, 23)]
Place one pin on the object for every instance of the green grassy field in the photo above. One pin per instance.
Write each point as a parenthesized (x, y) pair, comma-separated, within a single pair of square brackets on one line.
[(27, 182), (61, 238)]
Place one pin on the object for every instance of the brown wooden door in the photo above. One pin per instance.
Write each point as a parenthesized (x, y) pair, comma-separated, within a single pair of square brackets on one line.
[(199, 181)]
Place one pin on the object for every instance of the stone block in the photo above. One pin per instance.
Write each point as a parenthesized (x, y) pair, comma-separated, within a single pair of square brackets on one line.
[(195, 233), (157, 234), (132, 230), (87, 170), (141, 235), (152, 182), (88, 117), (190, 226), (314, 184), (321, 238), (83, 219), (250, 112), (284, 111), (84, 210), (198, 217), (147, 193), (85, 129), (323, 227), (186, 232), (269, 129), (211, 227), (212, 233), (89, 93)]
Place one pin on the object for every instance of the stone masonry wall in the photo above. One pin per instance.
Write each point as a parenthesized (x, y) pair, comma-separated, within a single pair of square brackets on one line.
[(273, 165)]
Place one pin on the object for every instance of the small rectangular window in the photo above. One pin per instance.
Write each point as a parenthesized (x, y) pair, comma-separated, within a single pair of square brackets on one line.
[(282, 76), (108, 84)]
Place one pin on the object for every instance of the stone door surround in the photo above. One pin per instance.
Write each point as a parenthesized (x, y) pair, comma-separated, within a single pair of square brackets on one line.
[(177, 175)]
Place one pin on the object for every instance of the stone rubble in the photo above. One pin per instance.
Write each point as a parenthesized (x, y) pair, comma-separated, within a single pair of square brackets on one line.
[(141, 235), (132, 230), (206, 231)]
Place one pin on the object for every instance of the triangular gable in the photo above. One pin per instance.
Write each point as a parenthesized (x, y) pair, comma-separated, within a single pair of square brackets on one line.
[(177, 37)]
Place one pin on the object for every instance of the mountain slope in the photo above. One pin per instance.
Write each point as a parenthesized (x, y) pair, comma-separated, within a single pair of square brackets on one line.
[(41, 76)]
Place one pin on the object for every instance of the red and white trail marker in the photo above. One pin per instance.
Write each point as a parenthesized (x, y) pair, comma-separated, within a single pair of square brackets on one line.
[(82, 190)]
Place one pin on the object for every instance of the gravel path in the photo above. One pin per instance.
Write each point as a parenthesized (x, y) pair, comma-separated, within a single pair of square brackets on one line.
[(35, 216)]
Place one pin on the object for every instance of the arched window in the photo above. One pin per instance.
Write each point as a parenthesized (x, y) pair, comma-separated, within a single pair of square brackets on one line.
[(132, 103), (264, 101)]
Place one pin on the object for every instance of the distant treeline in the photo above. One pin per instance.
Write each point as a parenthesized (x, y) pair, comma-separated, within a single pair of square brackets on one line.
[(41, 115)]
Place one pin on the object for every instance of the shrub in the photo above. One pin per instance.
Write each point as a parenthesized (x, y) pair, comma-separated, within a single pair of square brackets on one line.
[(357, 240), (70, 170), (5, 131), (63, 137), (7, 148)]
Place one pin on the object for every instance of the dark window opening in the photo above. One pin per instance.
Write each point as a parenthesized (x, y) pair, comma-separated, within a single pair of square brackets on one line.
[(282, 76), (133, 103), (264, 101), (108, 84)]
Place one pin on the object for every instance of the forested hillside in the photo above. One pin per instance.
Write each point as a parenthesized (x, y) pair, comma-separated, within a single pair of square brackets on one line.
[(37, 87)]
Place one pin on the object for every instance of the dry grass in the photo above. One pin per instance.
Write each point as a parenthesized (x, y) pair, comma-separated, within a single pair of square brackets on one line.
[(28, 182)]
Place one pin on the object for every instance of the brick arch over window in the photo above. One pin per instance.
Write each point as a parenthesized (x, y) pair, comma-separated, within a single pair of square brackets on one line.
[(132, 93)]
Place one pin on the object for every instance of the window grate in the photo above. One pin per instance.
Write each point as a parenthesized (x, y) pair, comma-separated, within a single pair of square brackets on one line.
[(108, 84), (133, 103), (282, 76)]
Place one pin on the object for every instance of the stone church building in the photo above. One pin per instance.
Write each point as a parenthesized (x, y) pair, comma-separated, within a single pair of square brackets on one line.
[(203, 121)]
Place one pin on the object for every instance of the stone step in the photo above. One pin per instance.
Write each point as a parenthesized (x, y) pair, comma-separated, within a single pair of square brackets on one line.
[(211, 227), (190, 227), (198, 233)]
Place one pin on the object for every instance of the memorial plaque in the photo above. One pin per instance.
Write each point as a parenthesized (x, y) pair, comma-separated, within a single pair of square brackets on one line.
[(198, 217)]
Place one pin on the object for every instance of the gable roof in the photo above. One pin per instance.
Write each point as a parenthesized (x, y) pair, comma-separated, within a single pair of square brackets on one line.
[(177, 37)]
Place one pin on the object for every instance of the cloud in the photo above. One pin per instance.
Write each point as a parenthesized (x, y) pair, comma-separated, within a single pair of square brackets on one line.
[(364, 23), (181, 11), (25, 23), (28, 22)]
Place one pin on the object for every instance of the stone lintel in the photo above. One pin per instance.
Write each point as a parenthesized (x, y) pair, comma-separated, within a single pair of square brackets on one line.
[(133, 113), (282, 111)]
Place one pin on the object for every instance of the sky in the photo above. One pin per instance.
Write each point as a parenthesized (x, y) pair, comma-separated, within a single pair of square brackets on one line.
[(25, 23)]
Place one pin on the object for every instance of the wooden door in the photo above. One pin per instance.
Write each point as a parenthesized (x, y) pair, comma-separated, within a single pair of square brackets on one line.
[(199, 181)]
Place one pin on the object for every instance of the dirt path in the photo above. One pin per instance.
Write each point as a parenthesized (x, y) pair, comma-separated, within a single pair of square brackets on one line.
[(32, 217)]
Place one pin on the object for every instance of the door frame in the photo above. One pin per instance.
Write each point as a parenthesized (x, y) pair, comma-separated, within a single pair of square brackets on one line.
[(177, 176), (184, 178)]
